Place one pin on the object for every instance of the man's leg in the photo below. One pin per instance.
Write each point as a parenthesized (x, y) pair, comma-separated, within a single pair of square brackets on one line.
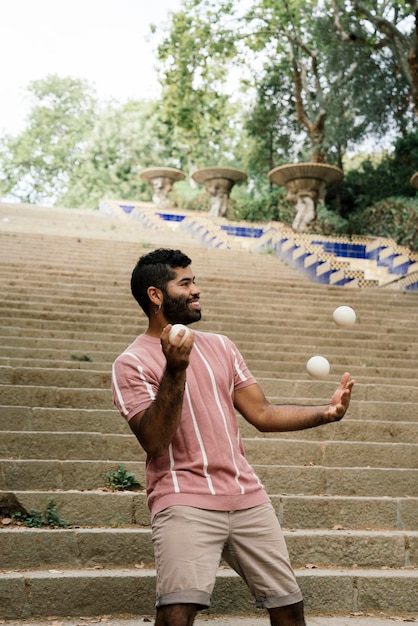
[(188, 543), (291, 615), (176, 615)]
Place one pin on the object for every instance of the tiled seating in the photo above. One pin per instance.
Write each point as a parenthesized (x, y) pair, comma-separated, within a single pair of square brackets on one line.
[(354, 262)]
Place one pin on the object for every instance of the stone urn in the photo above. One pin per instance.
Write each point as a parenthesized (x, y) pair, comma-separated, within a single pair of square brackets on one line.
[(305, 184), (162, 180), (414, 180), (218, 182)]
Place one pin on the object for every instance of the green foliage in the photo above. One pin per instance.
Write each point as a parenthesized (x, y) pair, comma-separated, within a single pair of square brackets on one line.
[(270, 205), (125, 139), (37, 164), (371, 182), (82, 357), (395, 218), (184, 196), (32, 519), (35, 519), (52, 517), (120, 479), (386, 30), (73, 154), (329, 222), (196, 111)]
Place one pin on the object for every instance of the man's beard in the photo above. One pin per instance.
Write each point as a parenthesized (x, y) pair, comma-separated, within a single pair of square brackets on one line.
[(176, 311)]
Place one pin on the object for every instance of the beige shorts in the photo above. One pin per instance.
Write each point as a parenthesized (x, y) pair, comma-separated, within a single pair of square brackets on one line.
[(189, 544)]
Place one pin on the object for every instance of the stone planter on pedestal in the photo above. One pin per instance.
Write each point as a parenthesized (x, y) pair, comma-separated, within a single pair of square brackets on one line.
[(162, 180), (218, 182), (305, 184), (414, 180)]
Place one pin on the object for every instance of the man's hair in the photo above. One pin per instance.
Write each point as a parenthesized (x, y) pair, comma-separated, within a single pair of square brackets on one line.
[(155, 269)]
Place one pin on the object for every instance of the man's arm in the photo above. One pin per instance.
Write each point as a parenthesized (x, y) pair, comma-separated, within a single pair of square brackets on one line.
[(156, 426), (266, 417)]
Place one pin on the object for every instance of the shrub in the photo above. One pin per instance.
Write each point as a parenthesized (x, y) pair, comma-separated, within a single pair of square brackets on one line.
[(120, 479), (34, 519), (395, 218)]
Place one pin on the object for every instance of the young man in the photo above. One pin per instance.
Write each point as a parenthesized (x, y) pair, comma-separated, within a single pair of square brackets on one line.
[(205, 499)]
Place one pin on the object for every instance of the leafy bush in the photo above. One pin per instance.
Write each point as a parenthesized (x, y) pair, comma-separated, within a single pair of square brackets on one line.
[(261, 207), (395, 218), (52, 517), (34, 519), (370, 183), (120, 479)]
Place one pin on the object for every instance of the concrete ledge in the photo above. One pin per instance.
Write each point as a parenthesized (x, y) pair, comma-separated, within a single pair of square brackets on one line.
[(129, 547), (47, 475), (275, 451), (109, 592), (126, 508)]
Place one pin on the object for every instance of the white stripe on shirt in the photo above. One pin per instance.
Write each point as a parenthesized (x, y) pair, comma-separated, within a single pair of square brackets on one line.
[(216, 395), (200, 440)]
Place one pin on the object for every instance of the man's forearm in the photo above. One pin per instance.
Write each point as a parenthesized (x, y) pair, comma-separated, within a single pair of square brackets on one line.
[(157, 425)]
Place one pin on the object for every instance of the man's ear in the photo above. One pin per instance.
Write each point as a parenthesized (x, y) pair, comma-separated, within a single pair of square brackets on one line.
[(155, 295)]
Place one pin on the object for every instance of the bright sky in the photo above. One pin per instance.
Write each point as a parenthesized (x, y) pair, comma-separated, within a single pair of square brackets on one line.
[(106, 42)]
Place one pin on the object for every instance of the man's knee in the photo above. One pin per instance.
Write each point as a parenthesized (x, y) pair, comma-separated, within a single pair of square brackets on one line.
[(290, 615), (176, 615)]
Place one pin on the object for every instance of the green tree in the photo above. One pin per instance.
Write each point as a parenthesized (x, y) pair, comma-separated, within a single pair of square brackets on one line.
[(195, 109), (35, 166), (387, 29), (125, 139), (316, 95)]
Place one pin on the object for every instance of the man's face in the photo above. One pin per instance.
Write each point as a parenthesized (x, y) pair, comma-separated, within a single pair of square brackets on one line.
[(181, 303)]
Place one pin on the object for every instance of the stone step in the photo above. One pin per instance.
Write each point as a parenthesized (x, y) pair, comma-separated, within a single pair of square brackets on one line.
[(346, 494), (273, 451), (83, 369), (52, 292), (127, 508), (34, 548), (367, 428), (275, 390), (21, 474), (115, 343), (79, 372), (61, 287), (40, 593), (64, 311), (369, 360), (91, 377), (260, 618)]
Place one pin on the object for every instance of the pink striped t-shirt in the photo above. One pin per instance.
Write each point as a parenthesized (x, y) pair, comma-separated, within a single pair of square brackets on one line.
[(205, 465)]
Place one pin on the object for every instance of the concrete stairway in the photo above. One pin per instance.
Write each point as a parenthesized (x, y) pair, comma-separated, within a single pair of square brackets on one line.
[(346, 494)]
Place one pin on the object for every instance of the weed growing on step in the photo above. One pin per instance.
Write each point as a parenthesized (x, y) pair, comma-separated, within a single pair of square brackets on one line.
[(82, 357), (120, 479), (52, 516), (32, 519), (35, 519)]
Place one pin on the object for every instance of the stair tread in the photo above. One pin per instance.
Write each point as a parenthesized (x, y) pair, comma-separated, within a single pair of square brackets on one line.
[(62, 326)]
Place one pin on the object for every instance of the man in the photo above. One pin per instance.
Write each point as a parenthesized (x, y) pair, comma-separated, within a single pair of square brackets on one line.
[(205, 499)]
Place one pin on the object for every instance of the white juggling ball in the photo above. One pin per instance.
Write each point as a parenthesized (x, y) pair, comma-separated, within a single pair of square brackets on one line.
[(318, 367), (344, 316), (174, 332)]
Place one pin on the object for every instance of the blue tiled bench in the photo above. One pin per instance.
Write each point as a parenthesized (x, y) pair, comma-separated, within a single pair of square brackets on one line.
[(169, 217), (242, 231)]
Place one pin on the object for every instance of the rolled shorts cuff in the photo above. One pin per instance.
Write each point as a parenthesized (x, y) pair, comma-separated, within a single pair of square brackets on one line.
[(188, 596), (276, 602)]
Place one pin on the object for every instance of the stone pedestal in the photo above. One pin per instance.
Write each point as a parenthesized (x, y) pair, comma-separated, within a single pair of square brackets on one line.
[(305, 184), (162, 180), (218, 182)]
